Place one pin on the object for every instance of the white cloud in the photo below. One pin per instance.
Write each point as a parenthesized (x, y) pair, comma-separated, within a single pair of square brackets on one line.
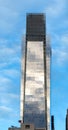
[(12, 95), (7, 113), (60, 48), (11, 12), (3, 41), (7, 20), (64, 39), (4, 81), (8, 16), (6, 99), (9, 52), (5, 108), (10, 73), (55, 8), (60, 57), (56, 16)]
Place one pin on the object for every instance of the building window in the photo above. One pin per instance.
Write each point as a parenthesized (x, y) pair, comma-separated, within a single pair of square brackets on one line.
[(27, 126)]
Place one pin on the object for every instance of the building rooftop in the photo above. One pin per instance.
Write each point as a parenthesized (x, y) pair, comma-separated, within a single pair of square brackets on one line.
[(35, 28)]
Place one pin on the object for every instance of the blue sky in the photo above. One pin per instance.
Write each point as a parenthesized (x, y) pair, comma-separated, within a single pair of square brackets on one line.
[(12, 30)]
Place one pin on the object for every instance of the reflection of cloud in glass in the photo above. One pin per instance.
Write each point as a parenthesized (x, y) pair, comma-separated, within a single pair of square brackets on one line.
[(34, 108), (34, 91), (34, 114)]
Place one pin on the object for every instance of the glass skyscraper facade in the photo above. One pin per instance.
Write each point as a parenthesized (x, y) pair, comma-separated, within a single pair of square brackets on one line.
[(35, 86)]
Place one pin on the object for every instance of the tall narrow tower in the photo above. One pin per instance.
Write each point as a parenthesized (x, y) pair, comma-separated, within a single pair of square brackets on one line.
[(35, 89), (67, 120), (52, 123)]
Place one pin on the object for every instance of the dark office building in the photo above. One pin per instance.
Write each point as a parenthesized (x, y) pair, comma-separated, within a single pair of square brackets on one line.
[(67, 120), (52, 123)]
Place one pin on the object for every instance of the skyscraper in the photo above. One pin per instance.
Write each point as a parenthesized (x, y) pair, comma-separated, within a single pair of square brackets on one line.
[(67, 120), (35, 87), (52, 123)]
